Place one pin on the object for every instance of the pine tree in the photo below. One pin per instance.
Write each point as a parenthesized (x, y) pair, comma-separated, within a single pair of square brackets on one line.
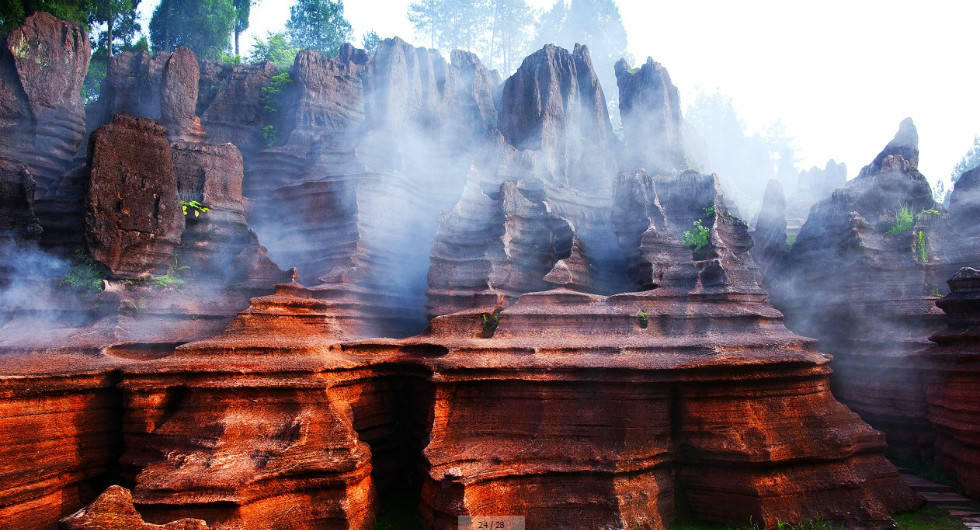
[(318, 24)]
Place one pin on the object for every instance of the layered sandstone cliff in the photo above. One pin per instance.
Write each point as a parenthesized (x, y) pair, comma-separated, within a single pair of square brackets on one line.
[(863, 277)]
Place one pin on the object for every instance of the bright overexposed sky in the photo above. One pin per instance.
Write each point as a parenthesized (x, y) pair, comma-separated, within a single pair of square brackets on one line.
[(840, 74)]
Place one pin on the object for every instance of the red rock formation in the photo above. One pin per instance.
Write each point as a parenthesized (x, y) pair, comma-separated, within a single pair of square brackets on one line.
[(17, 219), (536, 415), (162, 87), (254, 427), (59, 419), (114, 510), (42, 65), (952, 380), (235, 113), (133, 219), (866, 290)]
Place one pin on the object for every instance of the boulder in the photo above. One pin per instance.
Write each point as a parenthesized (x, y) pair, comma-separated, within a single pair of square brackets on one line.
[(114, 510), (42, 120), (133, 219)]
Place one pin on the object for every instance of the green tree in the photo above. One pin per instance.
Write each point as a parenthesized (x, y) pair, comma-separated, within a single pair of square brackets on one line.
[(243, 9), (510, 24), (13, 12), (451, 24), (318, 24), (370, 41), (275, 49), (204, 26)]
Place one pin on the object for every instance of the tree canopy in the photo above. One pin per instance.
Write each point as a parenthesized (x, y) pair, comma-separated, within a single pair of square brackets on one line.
[(204, 26), (969, 161), (497, 30), (318, 24)]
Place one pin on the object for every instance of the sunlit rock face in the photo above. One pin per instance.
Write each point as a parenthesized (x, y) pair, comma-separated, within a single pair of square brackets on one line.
[(42, 121), (865, 286), (596, 358), (114, 510), (535, 406), (952, 380)]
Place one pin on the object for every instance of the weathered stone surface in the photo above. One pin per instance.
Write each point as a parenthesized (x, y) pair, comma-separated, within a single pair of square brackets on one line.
[(556, 380), (17, 219), (178, 96), (212, 176), (383, 145), (61, 211), (868, 295), (133, 219), (61, 435), (770, 231), (964, 204), (531, 192), (952, 380), (161, 87), (554, 104), (113, 510), (651, 110), (42, 121), (218, 431), (235, 112)]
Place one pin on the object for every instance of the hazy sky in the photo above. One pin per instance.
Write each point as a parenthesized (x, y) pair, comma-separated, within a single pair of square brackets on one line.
[(840, 74)]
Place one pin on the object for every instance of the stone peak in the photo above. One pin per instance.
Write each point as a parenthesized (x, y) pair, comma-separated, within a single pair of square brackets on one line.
[(905, 144)]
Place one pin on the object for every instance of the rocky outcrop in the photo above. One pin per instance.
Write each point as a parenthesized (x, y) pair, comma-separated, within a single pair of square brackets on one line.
[(17, 219), (651, 110), (114, 510), (534, 403), (210, 175), (133, 219), (770, 231), (218, 431), (964, 204), (816, 184), (383, 145), (235, 113), (162, 87), (952, 378), (59, 418), (532, 198), (42, 121), (888, 245)]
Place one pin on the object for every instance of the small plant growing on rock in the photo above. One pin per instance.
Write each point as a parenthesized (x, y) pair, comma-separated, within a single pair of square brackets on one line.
[(904, 221), (921, 247), (490, 323), (85, 275), (193, 207), (643, 319), (271, 102), (697, 236), (173, 278)]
